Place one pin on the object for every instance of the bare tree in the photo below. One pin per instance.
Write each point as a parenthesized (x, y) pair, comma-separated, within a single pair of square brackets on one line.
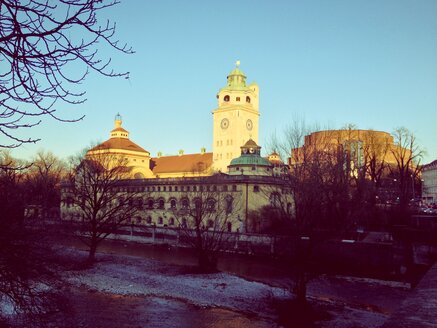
[(204, 216), (323, 180), (42, 181), (376, 151), (408, 155), (27, 276), (96, 199), (39, 43)]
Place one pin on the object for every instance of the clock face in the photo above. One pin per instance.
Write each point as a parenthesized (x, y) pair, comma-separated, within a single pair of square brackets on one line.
[(249, 124), (225, 123), (251, 150)]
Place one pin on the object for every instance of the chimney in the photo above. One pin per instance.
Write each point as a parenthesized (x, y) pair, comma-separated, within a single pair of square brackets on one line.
[(181, 152), (203, 150), (159, 154)]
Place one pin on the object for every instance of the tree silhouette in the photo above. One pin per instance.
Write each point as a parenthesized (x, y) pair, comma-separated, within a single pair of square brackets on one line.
[(99, 205), (39, 43)]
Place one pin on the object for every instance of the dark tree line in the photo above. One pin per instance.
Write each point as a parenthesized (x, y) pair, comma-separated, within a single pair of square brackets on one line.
[(335, 181), (47, 48), (26, 263)]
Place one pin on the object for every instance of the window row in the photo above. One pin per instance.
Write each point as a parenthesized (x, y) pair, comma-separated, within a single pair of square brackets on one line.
[(184, 203), (184, 188), (229, 142), (228, 98)]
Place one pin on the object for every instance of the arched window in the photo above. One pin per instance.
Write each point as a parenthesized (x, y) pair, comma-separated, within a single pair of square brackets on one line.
[(150, 203), (171, 221), (160, 220), (229, 204), (139, 203), (229, 226), (275, 199), (248, 99), (172, 203), (185, 203), (289, 208), (149, 220), (210, 205), (197, 203), (161, 203), (226, 98)]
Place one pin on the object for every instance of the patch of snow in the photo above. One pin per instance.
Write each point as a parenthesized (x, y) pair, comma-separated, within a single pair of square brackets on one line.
[(145, 277)]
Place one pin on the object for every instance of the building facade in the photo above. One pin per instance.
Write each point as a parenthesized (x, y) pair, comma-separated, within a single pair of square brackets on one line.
[(234, 177), (429, 183)]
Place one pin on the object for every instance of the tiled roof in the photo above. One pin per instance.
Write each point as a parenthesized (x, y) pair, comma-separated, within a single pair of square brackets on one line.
[(119, 143), (183, 163)]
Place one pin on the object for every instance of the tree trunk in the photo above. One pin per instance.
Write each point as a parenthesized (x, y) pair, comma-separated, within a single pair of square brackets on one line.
[(207, 262), (301, 287), (92, 251)]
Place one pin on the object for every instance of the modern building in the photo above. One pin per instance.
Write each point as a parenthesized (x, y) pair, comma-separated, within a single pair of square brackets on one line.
[(429, 183), (359, 144)]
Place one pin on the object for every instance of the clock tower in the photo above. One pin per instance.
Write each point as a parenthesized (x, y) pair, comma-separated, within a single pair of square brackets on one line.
[(236, 118)]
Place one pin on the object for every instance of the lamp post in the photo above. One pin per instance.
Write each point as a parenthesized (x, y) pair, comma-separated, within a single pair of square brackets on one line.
[(412, 187)]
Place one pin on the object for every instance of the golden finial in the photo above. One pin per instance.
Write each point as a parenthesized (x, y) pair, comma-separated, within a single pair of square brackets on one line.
[(237, 63)]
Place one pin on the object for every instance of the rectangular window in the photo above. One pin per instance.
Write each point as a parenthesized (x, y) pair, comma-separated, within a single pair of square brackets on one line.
[(234, 188), (256, 188)]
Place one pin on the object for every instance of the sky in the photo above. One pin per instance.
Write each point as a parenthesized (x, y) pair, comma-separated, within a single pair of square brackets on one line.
[(371, 63)]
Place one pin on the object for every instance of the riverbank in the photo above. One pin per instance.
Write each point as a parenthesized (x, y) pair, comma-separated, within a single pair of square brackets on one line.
[(139, 292)]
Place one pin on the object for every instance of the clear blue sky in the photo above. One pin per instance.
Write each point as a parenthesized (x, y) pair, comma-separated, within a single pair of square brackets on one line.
[(372, 63)]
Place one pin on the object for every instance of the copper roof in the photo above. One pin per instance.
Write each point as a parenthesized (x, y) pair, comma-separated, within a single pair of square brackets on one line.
[(119, 143), (250, 143), (183, 163)]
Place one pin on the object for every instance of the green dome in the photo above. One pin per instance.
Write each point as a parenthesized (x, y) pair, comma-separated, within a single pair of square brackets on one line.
[(237, 71), (250, 159)]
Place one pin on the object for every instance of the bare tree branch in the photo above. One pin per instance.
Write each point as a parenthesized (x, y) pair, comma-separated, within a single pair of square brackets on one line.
[(39, 43)]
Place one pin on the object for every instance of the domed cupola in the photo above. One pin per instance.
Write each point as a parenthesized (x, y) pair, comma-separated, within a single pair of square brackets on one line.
[(236, 79), (250, 162), (118, 131)]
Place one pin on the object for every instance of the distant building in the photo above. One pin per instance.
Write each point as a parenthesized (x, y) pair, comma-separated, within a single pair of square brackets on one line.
[(360, 145), (429, 182)]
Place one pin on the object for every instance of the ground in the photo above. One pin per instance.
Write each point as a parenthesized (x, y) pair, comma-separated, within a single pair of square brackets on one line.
[(127, 291)]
